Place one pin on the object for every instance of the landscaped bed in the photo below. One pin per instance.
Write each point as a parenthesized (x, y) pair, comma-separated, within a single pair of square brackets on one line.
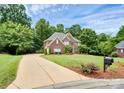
[(73, 62), (8, 68)]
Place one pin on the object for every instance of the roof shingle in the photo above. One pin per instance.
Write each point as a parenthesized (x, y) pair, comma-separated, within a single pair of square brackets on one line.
[(57, 35), (120, 45)]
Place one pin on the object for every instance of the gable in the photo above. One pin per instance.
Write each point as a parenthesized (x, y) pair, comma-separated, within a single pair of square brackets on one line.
[(66, 39), (56, 42), (71, 38)]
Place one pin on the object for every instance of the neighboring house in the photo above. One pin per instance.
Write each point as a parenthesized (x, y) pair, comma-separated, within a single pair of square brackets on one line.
[(58, 41), (120, 49)]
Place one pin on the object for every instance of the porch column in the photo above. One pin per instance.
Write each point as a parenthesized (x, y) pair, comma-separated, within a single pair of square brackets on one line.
[(73, 51)]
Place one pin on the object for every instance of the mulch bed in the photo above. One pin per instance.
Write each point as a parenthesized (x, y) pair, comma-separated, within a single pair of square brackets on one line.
[(118, 73)]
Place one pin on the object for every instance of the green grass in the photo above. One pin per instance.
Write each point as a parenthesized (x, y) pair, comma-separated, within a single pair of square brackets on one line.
[(76, 60), (8, 68)]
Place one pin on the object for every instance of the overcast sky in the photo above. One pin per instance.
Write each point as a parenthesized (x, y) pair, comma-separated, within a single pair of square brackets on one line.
[(102, 18)]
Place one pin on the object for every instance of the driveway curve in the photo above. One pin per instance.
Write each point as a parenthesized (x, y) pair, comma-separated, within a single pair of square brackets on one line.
[(35, 72)]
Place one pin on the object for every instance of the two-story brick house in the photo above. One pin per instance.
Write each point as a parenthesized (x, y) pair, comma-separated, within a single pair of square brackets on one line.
[(58, 41)]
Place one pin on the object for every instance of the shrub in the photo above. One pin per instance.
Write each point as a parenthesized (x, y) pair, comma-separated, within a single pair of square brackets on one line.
[(45, 51), (89, 68), (93, 52), (39, 51), (68, 49), (114, 54), (83, 49)]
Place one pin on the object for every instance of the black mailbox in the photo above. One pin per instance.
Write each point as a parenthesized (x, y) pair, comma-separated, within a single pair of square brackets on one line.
[(107, 62)]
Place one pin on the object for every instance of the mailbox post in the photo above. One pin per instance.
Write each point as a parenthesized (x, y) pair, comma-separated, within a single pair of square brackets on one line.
[(107, 62)]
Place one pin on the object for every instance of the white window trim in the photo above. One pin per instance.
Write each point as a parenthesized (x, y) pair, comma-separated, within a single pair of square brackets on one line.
[(122, 50), (57, 50), (57, 41)]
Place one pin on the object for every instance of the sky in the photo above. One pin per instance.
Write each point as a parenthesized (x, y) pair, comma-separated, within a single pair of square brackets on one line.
[(103, 18)]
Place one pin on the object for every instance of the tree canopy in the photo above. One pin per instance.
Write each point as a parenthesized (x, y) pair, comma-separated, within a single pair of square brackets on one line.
[(15, 13), (75, 30), (88, 37), (102, 37), (43, 31), (15, 38), (120, 34), (60, 28)]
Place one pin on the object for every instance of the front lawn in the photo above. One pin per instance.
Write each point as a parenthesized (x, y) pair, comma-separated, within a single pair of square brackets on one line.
[(74, 62), (8, 68)]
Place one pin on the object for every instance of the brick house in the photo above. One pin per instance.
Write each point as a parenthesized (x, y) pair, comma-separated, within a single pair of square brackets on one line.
[(120, 49), (58, 41)]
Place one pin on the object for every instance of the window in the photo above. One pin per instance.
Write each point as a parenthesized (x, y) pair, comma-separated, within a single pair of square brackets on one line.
[(122, 51), (57, 50), (66, 43), (57, 41)]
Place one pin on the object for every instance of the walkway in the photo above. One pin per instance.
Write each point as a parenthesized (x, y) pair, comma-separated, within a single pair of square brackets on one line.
[(36, 72)]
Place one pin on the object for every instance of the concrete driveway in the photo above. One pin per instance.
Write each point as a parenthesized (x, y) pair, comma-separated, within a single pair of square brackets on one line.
[(36, 72)]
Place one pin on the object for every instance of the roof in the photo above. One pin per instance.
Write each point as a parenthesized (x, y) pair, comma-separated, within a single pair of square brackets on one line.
[(60, 36), (120, 45), (57, 35)]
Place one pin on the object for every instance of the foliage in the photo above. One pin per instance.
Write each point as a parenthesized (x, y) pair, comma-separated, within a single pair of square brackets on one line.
[(15, 38), (107, 47), (93, 52), (75, 30), (52, 29), (68, 49), (103, 37), (114, 54), (15, 13), (120, 34), (60, 28), (42, 32), (88, 37), (83, 49), (40, 51), (45, 51), (89, 68)]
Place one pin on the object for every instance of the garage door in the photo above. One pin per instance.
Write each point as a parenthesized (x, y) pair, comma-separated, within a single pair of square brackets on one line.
[(57, 50)]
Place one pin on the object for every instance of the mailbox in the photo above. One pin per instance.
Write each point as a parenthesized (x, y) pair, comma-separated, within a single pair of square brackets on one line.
[(107, 62)]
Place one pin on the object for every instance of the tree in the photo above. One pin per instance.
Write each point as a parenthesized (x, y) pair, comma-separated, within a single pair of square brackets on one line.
[(15, 13), (15, 38), (83, 49), (103, 37), (120, 34), (108, 46), (88, 37), (75, 30), (60, 28), (52, 29), (42, 32)]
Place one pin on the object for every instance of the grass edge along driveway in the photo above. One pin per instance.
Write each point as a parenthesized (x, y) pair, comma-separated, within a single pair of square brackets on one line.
[(77, 59), (8, 69)]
